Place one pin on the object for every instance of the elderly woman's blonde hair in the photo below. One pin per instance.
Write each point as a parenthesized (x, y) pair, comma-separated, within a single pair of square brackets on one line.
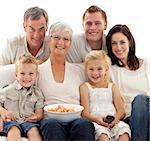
[(26, 59), (103, 57), (60, 27)]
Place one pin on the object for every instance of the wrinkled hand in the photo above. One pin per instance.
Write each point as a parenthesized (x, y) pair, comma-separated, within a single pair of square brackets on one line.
[(32, 118), (8, 116)]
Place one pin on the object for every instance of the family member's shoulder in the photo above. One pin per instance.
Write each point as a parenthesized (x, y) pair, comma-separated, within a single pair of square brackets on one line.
[(113, 85), (44, 65), (76, 66), (78, 69), (146, 60), (78, 37), (84, 85), (8, 88), (17, 39), (15, 42), (38, 91), (114, 68)]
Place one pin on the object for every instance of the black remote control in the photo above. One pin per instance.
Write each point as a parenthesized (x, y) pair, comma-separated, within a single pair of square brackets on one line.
[(108, 119)]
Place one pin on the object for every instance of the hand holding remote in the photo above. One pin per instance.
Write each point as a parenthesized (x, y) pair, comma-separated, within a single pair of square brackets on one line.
[(108, 119)]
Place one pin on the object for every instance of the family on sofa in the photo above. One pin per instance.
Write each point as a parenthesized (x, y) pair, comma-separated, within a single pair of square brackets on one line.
[(60, 73)]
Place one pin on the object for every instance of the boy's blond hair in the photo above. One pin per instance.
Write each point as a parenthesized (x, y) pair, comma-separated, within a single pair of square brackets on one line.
[(26, 59), (102, 56)]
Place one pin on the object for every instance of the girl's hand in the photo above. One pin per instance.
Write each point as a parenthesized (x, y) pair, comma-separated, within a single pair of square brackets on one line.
[(32, 118), (99, 120), (114, 122)]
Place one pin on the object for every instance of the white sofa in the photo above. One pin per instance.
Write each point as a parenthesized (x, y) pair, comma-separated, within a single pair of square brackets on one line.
[(7, 75), (4, 139)]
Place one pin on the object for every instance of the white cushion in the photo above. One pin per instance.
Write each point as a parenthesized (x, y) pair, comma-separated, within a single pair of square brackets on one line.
[(2, 138), (7, 74)]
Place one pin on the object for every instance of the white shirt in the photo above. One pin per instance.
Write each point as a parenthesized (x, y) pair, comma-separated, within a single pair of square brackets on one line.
[(17, 46), (132, 83), (65, 92), (80, 48)]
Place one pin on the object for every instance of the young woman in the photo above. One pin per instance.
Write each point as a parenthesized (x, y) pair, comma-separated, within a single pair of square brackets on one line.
[(132, 74)]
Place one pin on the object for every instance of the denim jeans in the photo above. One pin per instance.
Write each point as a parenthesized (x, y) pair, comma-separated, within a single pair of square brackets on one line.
[(24, 127), (140, 118), (77, 130)]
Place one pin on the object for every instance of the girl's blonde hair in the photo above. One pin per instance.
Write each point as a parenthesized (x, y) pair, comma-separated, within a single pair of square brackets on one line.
[(26, 59), (103, 57)]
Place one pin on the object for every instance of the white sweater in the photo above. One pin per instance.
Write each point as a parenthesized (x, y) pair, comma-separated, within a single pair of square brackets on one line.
[(132, 83)]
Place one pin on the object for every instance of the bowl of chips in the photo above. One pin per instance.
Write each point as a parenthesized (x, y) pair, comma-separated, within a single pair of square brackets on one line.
[(63, 112)]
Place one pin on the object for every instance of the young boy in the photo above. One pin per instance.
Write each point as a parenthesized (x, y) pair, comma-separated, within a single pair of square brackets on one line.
[(22, 102)]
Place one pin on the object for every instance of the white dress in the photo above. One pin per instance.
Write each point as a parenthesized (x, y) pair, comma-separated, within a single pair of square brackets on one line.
[(101, 103)]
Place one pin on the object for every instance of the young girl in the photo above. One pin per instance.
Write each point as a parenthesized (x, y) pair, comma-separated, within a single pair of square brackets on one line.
[(100, 98)]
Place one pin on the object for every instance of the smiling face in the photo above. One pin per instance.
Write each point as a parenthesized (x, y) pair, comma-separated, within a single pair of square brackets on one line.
[(35, 31), (60, 43), (94, 25), (26, 74), (96, 71), (120, 46)]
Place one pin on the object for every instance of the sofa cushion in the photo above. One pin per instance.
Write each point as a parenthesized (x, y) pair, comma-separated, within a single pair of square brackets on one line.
[(7, 74)]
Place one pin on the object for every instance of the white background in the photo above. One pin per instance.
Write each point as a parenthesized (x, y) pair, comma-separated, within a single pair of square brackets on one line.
[(134, 13)]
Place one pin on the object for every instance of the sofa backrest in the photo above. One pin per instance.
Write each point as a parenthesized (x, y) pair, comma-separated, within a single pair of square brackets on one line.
[(7, 74)]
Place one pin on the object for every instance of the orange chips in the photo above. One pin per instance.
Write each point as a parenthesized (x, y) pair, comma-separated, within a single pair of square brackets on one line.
[(61, 108)]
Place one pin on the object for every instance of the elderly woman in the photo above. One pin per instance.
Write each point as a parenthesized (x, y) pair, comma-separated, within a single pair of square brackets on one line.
[(59, 81), (132, 74)]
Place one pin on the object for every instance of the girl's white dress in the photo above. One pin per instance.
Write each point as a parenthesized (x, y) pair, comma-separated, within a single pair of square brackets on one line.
[(101, 103)]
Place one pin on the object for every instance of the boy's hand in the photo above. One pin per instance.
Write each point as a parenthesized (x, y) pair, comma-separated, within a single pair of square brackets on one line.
[(8, 116), (32, 118)]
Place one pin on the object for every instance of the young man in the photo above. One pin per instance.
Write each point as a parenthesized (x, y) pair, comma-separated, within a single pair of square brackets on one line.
[(35, 26), (94, 24)]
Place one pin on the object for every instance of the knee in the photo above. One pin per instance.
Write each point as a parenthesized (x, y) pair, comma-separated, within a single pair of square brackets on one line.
[(139, 97), (140, 100), (82, 128), (84, 124), (33, 130), (49, 123), (14, 129), (140, 105)]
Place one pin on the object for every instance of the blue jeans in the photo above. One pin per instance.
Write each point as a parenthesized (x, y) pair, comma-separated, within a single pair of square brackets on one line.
[(76, 130), (24, 127), (140, 118)]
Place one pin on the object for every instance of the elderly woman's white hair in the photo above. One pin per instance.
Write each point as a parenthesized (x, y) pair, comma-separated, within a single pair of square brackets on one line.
[(60, 27)]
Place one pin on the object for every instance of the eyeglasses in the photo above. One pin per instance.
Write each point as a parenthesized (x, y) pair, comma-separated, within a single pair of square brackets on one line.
[(57, 38)]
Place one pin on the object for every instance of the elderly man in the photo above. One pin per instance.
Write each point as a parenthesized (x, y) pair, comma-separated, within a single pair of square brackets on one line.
[(33, 41)]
